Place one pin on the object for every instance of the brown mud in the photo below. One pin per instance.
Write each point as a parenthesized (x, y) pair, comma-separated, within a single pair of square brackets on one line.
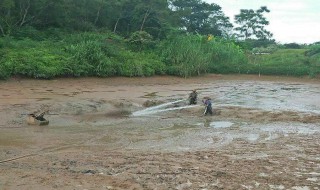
[(265, 134)]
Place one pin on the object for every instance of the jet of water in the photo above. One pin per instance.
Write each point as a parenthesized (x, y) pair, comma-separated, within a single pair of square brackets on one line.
[(157, 109)]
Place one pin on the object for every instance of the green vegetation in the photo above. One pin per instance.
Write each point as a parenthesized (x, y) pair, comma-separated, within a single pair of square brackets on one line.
[(290, 62), (46, 39)]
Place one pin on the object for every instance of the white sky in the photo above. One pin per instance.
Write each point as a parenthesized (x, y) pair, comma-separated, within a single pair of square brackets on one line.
[(290, 20)]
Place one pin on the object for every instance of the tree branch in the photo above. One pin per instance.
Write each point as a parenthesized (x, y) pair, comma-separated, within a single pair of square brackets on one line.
[(2, 30), (25, 14), (144, 19)]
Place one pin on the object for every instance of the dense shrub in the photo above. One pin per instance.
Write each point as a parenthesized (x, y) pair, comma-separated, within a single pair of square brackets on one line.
[(194, 55), (314, 49), (140, 64), (226, 57), (32, 59), (140, 40)]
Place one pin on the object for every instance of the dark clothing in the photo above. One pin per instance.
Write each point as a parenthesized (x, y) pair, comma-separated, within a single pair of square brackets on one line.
[(208, 109), (193, 98)]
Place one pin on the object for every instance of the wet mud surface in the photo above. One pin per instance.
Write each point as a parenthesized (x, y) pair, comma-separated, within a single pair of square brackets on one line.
[(140, 133)]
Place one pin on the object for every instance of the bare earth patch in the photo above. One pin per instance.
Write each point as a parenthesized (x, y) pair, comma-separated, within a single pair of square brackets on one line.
[(265, 134)]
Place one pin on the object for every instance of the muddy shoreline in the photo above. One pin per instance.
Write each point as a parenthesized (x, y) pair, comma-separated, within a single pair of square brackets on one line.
[(264, 134)]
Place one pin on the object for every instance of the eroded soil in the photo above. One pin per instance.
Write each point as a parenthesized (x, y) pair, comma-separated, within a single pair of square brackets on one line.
[(264, 134)]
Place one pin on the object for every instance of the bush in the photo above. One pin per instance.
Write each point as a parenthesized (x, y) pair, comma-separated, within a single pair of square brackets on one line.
[(140, 40), (140, 64), (5, 70), (32, 59), (194, 55), (226, 57), (184, 55), (313, 50), (85, 57)]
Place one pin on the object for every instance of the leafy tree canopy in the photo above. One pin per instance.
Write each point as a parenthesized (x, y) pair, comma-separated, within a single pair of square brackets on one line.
[(196, 16), (252, 24)]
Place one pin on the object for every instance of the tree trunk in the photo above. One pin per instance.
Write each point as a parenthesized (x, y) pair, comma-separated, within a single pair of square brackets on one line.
[(24, 12), (97, 17), (2, 30), (115, 26), (144, 19)]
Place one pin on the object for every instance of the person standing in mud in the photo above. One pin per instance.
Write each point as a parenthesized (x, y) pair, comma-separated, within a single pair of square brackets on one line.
[(208, 109), (193, 97)]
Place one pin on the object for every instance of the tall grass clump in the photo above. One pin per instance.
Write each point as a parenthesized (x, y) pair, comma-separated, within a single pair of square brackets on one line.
[(194, 55), (140, 64), (88, 59), (92, 54), (226, 57), (105, 54)]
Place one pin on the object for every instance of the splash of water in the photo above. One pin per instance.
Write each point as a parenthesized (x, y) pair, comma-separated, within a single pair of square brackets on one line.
[(157, 109)]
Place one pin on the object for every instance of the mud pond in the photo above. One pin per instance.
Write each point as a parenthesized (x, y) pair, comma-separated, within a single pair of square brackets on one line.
[(273, 119)]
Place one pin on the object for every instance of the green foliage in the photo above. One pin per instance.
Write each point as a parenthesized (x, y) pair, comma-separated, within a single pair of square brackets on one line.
[(252, 23), (140, 64), (226, 57), (199, 17), (140, 40), (90, 54), (292, 46), (313, 50), (290, 62), (33, 59), (5, 70), (184, 55), (54, 34), (194, 55), (106, 54), (249, 44), (266, 50)]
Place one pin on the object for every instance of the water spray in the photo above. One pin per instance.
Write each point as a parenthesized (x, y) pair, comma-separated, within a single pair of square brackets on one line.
[(157, 109)]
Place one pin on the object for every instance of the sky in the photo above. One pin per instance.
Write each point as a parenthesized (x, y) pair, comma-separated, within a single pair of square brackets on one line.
[(291, 21)]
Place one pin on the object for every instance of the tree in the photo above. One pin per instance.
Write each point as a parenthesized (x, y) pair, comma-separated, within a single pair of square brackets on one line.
[(13, 14), (199, 17), (252, 23)]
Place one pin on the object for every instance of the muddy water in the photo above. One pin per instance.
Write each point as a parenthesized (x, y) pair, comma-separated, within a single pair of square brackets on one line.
[(108, 114), (274, 96), (264, 134)]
